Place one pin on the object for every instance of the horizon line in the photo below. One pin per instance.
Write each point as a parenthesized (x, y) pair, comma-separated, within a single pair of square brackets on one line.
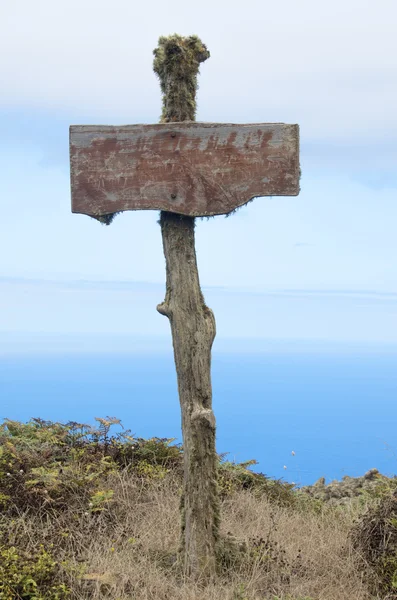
[(83, 282)]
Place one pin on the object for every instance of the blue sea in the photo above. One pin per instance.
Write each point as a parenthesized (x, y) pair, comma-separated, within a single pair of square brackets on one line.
[(337, 411)]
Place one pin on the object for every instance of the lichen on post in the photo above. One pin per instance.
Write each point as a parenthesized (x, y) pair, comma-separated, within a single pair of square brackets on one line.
[(177, 60)]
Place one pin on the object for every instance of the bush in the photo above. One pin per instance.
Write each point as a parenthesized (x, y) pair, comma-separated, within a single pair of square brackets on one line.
[(374, 535), (30, 577), (46, 465), (238, 476)]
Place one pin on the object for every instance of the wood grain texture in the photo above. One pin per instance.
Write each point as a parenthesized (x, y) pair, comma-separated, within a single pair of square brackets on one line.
[(193, 332), (194, 169)]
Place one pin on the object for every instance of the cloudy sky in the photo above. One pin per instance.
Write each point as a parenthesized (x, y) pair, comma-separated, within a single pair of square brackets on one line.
[(318, 266)]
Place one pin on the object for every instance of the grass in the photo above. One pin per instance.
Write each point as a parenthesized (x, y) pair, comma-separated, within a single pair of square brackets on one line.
[(87, 513)]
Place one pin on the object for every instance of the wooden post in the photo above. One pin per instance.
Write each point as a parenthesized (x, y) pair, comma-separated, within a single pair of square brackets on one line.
[(176, 63), (186, 170)]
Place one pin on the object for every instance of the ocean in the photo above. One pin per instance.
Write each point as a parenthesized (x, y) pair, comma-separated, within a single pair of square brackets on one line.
[(337, 412)]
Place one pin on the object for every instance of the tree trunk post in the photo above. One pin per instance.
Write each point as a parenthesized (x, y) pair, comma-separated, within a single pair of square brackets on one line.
[(176, 63)]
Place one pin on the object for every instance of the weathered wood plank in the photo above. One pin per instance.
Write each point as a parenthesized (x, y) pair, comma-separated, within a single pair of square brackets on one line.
[(195, 169)]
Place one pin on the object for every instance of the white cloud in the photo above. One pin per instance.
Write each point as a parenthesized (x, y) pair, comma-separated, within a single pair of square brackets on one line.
[(329, 66)]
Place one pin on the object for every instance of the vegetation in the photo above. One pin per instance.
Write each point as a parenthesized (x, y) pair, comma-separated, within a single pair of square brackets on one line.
[(94, 513)]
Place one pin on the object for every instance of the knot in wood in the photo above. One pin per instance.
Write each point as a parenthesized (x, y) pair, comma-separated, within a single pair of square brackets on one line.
[(205, 416)]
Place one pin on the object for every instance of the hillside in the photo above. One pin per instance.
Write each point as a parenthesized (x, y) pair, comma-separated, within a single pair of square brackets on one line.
[(94, 513)]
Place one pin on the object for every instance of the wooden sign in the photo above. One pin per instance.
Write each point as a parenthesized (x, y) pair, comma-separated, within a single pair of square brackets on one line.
[(195, 169)]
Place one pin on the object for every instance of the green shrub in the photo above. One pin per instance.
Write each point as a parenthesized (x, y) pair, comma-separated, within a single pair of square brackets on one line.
[(55, 466), (30, 577), (238, 476)]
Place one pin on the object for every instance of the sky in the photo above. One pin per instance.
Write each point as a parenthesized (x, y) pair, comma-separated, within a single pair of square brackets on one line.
[(317, 266)]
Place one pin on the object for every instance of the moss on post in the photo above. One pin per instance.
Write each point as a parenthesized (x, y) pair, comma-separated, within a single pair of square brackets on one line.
[(176, 63)]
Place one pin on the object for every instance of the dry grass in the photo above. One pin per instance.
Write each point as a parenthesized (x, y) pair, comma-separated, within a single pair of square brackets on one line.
[(105, 512), (129, 550)]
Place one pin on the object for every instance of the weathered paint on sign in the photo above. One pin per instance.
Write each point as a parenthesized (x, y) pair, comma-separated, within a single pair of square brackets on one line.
[(196, 169)]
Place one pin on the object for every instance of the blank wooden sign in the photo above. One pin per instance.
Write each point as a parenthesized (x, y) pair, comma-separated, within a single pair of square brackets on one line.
[(196, 169)]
